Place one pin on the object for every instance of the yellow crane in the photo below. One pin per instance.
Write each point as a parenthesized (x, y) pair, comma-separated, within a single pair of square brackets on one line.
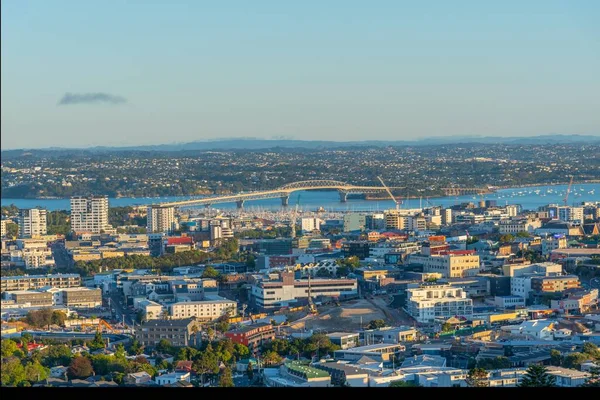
[(390, 193), (568, 191)]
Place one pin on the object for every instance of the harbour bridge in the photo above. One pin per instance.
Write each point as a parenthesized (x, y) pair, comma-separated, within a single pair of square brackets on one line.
[(283, 193)]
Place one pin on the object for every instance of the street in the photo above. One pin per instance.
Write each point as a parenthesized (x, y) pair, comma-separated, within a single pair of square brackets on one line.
[(61, 257), (117, 304)]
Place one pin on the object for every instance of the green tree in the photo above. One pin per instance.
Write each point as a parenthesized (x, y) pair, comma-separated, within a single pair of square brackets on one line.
[(9, 348), (506, 238), (120, 351), (271, 358), (12, 372), (81, 367), (404, 384), (574, 360), (537, 376), (251, 263), (35, 372), (523, 234), (555, 358), (210, 272), (376, 324), (136, 348), (226, 379), (164, 346), (98, 342), (206, 363), (446, 327), (56, 355), (12, 230), (58, 318), (477, 377), (250, 371), (592, 350)]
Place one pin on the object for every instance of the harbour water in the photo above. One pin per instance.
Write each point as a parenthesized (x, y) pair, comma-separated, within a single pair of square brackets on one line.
[(530, 198)]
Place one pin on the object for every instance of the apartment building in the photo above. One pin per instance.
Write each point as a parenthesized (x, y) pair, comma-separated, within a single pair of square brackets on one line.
[(517, 225), (31, 282), (429, 302), (554, 283), (311, 224), (32, 297), (90, 214), (453, 264), (554, 242), (82, 297), (566, 213), (32, 258), (161, 219), (287, 291), (252, 335), (3, 223), (545, 268), (32, 222), (207, 310), (178, 332)]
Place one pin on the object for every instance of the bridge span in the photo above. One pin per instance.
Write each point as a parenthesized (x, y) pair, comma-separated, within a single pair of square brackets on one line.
[(283, 193)]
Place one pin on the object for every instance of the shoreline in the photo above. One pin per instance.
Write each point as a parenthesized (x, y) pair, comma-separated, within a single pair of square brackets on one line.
[(496, 188)]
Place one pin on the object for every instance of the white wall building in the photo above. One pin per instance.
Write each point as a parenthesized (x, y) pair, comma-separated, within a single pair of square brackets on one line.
[(90, 214), (429, 302), (32, 222), (311, 224), (161, 219), (207, 310), (32, 258)]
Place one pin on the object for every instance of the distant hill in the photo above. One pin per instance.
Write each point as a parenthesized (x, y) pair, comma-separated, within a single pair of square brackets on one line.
[(255, 144)]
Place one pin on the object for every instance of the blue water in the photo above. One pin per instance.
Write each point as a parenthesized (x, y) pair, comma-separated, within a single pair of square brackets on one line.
[(308, 200)]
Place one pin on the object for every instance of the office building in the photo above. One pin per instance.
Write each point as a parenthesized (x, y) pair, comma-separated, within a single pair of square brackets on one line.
[(269, 294), (90, 214), (161, 219), (32, 282), (354, 222), (429, 302), (32, 222), (206, 310), (453, 264), (81, 297), (178, 332)]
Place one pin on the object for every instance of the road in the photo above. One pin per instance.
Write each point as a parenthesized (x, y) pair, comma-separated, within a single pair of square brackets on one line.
[(117, 303), (61, 257)]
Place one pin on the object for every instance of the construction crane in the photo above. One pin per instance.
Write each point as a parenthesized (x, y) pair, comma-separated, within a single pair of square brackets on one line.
[(568, 191), (397, 202)]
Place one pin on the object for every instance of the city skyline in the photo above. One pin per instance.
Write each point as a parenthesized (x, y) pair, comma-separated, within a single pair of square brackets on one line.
[(340, 71)]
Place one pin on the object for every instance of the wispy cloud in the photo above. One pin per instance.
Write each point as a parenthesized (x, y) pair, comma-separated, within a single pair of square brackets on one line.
[(90, 98)]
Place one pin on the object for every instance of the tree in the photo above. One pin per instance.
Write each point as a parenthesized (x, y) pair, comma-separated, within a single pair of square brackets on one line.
[(35, 372), (591, 349), (81, 367), (574, 360), (404, 384), (120, 351), (136, 348), (9, 348), (323, 273), (555, 358), (164, 346), (537, 376), (250, 371), (478, 377), (226, 379), (506, 238), (206, 363), (40, 318), (210, 272), (523, 234), (12, 372), (58, 318), (271, 358), (594, 379), (98, 342), (446, 327), (376, 324), (12, 230), (251, 263), (56, 355)]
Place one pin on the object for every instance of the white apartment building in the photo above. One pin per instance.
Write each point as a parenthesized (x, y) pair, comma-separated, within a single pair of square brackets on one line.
[(514, 226), (311, 224), (207, 310), (90, 214), (512, 210), (32, 282), (399, 219), (429, 302), (555, 242), (287, 291), (32, 222), (161, 219), (453, 265), (32, 258), (566, 213), (544, 268), (447, 216), (521, 285)]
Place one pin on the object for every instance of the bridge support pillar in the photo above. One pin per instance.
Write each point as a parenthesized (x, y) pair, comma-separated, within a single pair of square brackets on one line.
[(207, 205), (240, 203), (343, 196), (285, 201)]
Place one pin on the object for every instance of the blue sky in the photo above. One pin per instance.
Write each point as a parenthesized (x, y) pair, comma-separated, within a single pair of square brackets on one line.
[(333, 70)]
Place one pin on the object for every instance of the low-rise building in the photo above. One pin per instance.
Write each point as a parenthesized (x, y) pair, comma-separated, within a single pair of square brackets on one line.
[(509, 301), (252, 335), (180, 332), (345, 340), (81, 297), (206, 310), (453, 264), (32, 298), (173, 377), (343, 374), (566, 377), (397, 334), (32, 282), (378, 352)]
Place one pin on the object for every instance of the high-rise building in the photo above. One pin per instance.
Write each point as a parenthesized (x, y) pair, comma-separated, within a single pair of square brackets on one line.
[(354, 222), (89, 214), (3, 228), (429, 302), (311, 224), (32, 222), (161, 219)]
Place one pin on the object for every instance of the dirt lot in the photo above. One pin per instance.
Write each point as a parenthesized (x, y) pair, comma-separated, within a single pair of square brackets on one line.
[(344, 318)]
